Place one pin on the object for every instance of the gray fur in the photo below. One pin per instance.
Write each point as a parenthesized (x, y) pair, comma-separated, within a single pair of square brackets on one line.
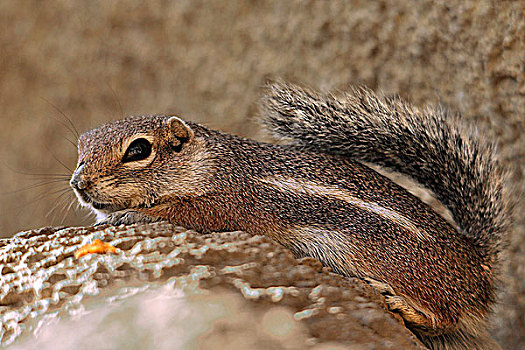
[(432, 146)]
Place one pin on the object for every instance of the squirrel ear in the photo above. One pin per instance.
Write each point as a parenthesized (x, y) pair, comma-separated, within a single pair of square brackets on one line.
[(180, 133)]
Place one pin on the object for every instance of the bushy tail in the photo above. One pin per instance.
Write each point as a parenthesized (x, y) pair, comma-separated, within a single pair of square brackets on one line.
[(430, 145)]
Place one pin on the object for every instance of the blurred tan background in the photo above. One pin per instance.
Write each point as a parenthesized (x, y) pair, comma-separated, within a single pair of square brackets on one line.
[(206, 61)]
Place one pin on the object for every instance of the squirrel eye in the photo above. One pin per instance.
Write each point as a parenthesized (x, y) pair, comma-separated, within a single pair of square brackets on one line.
[(139, 149)]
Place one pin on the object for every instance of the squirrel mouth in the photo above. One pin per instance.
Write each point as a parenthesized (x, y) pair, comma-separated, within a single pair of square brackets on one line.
[(105, 207), (88, 200)]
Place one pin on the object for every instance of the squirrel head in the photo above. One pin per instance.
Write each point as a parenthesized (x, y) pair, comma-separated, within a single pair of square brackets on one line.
[(138, 161)]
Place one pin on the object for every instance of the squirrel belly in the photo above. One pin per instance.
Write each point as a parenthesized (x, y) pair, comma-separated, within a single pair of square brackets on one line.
[(313, 198)]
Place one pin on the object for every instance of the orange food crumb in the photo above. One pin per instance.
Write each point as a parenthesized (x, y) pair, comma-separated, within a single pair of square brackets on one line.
[(97, 247)]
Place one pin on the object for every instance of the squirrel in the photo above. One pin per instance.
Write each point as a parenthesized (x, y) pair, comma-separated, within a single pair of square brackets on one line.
[(315, 196)]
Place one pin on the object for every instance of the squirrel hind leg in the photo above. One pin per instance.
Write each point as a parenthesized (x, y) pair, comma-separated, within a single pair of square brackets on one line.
[(127, 217), (399, 305), (465, 336)]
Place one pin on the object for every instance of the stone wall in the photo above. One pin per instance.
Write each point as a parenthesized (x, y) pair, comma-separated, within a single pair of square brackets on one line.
[(206, 61)]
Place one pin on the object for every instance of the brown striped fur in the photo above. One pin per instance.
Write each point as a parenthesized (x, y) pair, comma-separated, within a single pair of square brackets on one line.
[(317, 202)]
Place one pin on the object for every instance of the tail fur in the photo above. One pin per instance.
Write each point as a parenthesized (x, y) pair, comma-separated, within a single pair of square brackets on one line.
[(431, 145)]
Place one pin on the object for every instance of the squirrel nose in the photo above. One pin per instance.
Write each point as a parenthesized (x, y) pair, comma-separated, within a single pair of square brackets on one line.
[(77, 179)]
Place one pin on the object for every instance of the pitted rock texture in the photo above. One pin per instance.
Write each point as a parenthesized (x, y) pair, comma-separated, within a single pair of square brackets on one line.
[(274, 300)]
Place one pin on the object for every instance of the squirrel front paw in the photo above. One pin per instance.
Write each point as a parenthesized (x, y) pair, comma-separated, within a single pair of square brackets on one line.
[(127, 217)]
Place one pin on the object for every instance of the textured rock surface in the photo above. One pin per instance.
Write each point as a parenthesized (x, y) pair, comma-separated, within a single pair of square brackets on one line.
[(206, 61), (175, 287)]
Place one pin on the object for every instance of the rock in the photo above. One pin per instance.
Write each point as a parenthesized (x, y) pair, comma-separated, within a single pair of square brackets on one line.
[(168, 287)]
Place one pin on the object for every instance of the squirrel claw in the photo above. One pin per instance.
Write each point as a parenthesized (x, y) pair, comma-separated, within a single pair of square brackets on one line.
[(127, 217)]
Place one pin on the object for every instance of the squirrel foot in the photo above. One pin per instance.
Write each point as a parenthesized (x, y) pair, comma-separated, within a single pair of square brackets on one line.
[(401, 306), (127, 217)]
